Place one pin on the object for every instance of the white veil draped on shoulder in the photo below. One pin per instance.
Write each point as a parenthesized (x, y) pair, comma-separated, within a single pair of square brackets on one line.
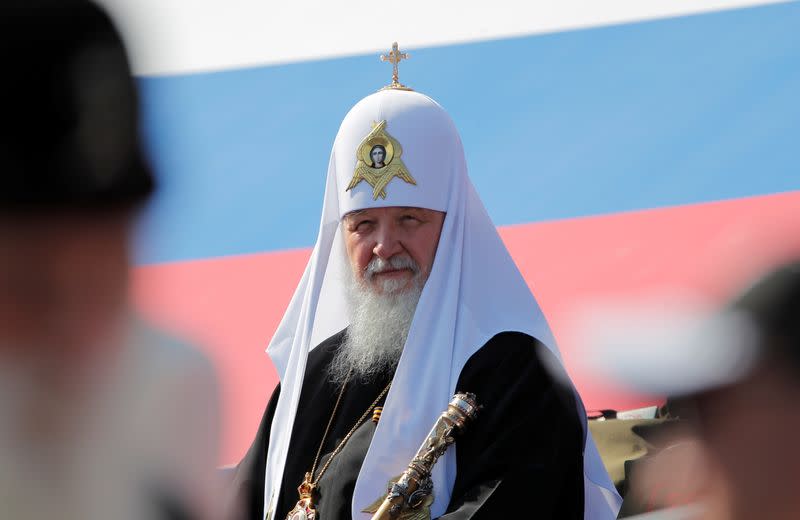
[(474, 291)]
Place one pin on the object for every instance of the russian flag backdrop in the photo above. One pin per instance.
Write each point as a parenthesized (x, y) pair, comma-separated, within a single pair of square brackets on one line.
[(621, 148)]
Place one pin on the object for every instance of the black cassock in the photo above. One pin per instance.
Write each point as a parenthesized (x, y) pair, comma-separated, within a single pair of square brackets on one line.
[(523, 456)]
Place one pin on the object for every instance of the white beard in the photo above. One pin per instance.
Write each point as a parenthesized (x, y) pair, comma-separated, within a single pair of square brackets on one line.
[(379, 324)]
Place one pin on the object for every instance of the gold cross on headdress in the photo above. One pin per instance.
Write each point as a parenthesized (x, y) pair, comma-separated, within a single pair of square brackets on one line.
[(395, 57)]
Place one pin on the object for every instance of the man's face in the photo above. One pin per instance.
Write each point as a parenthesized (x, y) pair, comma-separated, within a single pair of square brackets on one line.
[(378, 155), (391, 249)]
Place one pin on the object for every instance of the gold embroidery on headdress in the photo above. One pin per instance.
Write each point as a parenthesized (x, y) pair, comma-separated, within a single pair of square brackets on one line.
[(379, 161)]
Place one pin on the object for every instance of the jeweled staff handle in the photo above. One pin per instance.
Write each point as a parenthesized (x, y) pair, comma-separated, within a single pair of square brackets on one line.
[(414, 487)]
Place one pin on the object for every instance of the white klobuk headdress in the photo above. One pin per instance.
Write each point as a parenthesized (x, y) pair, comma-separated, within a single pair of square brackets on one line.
[(474, 291)]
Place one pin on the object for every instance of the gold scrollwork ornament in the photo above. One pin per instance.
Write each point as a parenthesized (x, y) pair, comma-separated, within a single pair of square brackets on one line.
[(379, 161)]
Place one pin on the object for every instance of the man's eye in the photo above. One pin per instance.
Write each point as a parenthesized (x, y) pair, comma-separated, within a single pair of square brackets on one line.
[(363, 225), (409, 218)]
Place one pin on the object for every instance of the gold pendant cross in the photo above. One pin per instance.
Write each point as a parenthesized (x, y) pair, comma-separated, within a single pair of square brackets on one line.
[(395, 57)]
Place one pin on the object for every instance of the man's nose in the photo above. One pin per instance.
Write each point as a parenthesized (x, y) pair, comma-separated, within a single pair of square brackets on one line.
[(387, 244)]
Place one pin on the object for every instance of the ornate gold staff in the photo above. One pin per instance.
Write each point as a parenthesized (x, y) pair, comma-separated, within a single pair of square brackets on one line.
[(410, 496)]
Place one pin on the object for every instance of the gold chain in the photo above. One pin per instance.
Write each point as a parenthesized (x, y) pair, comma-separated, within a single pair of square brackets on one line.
[(346, 437)]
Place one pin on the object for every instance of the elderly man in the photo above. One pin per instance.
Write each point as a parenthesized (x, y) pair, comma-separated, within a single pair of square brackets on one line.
[(410, 295)]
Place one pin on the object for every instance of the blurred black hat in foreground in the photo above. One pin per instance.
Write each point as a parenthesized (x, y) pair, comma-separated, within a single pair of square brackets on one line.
[(69, 135)]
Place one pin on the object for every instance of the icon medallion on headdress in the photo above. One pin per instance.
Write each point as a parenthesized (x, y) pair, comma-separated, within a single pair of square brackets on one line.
[(379, 161)]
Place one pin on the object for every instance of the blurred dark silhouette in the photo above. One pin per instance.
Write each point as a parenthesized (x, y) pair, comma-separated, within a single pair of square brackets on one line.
[(735, 452), (101, 415)]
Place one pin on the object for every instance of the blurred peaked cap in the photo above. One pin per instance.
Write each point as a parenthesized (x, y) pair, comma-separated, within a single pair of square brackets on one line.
[(69, 136), (677, 350)]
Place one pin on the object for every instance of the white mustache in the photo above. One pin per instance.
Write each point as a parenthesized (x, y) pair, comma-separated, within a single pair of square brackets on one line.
[(378, 265)]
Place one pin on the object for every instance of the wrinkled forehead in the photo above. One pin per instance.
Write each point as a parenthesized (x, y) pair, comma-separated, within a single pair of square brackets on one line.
[(423, 153)]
